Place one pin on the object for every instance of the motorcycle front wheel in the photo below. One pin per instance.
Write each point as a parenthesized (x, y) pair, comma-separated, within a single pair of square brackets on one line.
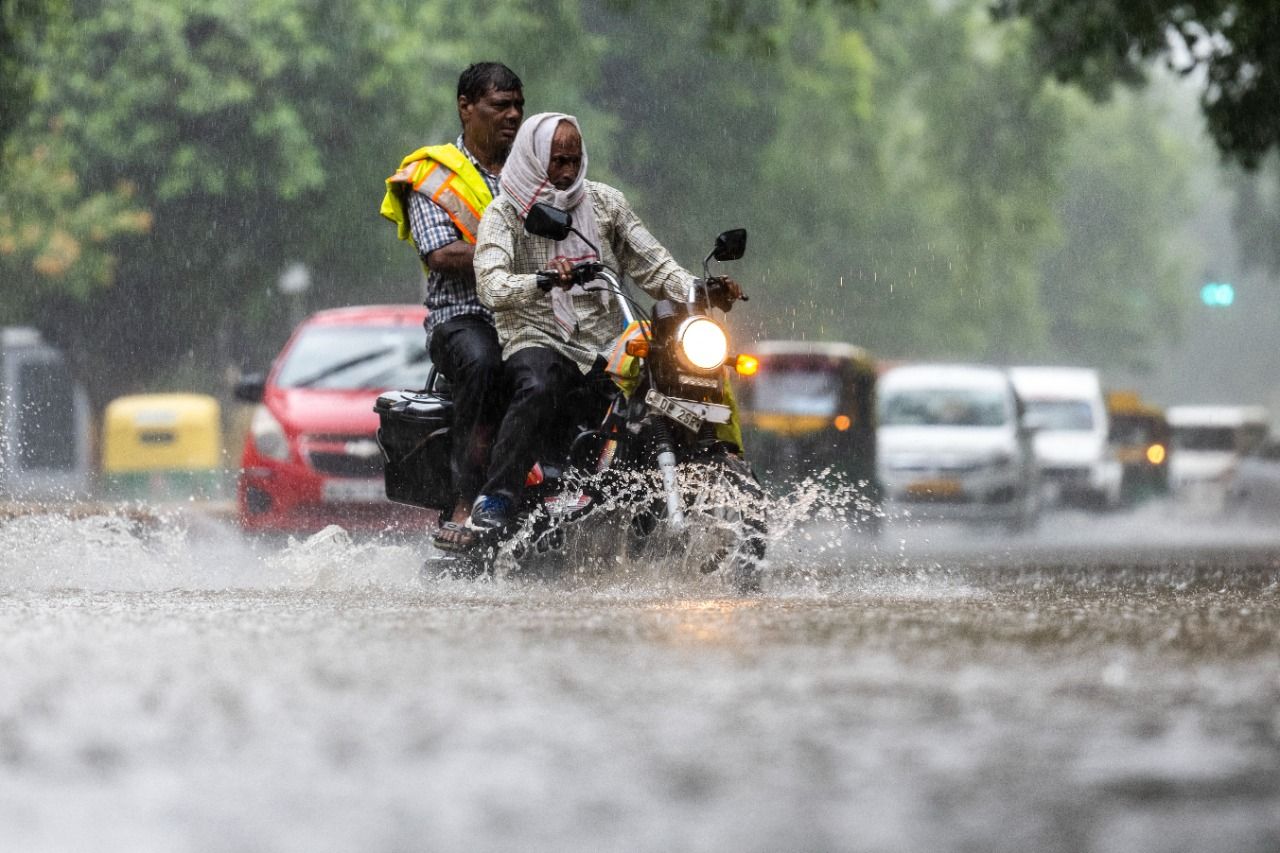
[(726, 494)]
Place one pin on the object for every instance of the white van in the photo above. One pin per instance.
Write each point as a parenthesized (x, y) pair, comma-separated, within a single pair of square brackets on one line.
[(1066, 408), (1208, 441), (952, 444)]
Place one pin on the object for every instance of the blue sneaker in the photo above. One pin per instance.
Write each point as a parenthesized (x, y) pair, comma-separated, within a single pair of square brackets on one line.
[(491, 512)]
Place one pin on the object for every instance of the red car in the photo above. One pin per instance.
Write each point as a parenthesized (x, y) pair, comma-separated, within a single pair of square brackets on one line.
[(310, 458)]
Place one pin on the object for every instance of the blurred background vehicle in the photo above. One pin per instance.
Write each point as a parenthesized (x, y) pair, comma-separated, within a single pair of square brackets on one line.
[(1065, 408), (1139, 438), (163, 447), (1253, 488), (953, 444), (45, 429), (809, 407), (310, 458), (1208, 441)]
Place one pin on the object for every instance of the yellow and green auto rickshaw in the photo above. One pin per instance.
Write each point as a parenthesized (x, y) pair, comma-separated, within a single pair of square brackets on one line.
[(162, 447), (1140, 438), (810, 407)]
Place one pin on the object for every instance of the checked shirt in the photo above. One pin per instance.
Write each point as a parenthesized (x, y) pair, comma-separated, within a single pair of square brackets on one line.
[(448, 296), (507, 258)]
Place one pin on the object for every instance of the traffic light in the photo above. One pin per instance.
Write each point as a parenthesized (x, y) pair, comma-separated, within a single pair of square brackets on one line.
[(1217, 295)]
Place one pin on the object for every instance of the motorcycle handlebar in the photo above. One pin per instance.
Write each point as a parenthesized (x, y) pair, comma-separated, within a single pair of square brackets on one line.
[(718, 281), (581, 273)]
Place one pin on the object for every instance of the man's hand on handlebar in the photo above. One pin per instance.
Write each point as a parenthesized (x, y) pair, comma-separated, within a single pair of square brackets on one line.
[(563, 274), (723, 291)]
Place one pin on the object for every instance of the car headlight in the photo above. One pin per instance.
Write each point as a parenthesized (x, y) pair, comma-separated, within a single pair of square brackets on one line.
[(268, 435), (703, 343)]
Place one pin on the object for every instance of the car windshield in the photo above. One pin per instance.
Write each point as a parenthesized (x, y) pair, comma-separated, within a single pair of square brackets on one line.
[(1205, 438), (944, 407), (356, 357), (797, 392), (1060, 414)]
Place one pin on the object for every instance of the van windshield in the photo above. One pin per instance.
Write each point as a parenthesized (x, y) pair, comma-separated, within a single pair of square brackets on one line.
[(796, 392), (1205, 438), (1064, 415), (356, 357), (944, 407)]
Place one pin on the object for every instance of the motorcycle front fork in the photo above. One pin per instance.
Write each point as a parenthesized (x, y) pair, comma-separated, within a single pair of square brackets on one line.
[(664, 447)]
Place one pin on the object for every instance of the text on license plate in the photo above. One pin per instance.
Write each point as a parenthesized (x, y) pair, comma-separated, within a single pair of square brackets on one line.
[(353, 491), (935, 488), (672, 409)]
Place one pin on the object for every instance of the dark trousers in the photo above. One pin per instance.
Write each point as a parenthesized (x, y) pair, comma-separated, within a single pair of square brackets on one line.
[(548, 392), (467, 352)]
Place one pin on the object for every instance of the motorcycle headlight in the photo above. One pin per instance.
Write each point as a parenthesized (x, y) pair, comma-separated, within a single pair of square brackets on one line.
[(268, 435), (703, 343)]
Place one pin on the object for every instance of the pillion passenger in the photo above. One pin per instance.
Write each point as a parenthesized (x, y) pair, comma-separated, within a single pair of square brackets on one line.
[(436, 198)]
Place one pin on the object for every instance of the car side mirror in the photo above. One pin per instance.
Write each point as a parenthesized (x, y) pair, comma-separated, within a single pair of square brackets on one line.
[(251, 388), (730, 245), (543, 220)]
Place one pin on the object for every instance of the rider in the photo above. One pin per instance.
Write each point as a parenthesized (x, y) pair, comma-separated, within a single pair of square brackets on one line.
[(552, 333), (436, 198)]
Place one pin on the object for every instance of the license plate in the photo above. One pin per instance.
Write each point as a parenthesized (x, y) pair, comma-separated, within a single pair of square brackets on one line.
[(678, 413), (353, 491), (935, 488), (714, 412)]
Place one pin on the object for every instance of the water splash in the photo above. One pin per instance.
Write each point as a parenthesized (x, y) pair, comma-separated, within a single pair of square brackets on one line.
[(822, 538)]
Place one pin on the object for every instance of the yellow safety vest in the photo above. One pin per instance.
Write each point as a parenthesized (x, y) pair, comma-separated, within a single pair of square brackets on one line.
[(446, 176)]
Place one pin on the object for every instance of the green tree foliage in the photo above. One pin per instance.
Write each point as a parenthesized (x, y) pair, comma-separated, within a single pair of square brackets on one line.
[(1116, 282), (1231, 48), (256, 135), (23, 24), (54, 236), (903, 171), (896, 170), (1098, 42), (1257, 215)]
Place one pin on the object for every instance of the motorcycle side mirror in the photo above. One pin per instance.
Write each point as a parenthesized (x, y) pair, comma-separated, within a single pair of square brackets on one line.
[(543, 220), (730, 245)]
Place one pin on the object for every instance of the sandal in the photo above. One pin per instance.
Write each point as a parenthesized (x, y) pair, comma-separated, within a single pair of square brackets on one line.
[(453, 536)]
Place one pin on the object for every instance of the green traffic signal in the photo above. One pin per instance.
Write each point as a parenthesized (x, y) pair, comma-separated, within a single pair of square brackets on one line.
[(1217, 295)]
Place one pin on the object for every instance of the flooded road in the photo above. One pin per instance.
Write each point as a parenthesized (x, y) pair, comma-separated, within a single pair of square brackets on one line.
[(1100, 685)]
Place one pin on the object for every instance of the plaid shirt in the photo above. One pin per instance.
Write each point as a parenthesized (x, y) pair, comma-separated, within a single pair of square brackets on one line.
[(448, 296), (507, 258)]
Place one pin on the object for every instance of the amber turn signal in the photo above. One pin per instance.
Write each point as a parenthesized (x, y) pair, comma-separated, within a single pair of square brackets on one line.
[(746, 365), (843, 422), (638, 348)]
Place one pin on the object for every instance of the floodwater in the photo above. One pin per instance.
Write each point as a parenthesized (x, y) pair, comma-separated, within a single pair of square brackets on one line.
[(1099, 685)]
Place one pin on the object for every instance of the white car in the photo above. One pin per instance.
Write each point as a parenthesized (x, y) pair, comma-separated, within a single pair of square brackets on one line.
[(1253, 489), (952, 444), (1066, 409), (1208, 443)]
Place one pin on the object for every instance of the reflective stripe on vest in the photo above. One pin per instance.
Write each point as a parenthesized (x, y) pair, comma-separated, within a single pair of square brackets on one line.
[(423, 172), (437, 185)]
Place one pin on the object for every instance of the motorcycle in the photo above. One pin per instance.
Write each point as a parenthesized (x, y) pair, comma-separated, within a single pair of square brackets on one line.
[(661, 461)]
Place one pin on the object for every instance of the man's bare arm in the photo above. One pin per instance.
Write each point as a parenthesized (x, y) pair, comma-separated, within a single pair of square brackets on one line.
[(453, 259)]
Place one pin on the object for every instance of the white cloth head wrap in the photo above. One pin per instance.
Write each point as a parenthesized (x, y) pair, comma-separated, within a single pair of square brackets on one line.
[(524, 178)]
